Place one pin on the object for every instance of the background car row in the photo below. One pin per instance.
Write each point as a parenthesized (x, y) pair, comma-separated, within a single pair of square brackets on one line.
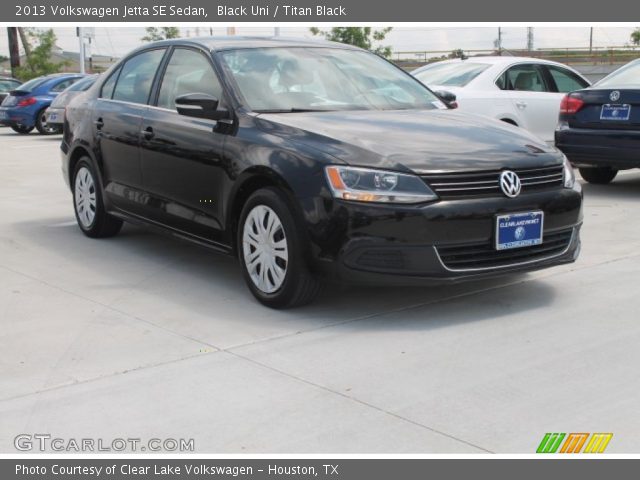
[(597, 127), (25, 106)]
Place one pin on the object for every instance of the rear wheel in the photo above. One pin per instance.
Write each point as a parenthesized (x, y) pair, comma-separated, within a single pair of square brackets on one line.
[(46, 128), (91, 215), (21, 129), (598, 175), (270, 248)]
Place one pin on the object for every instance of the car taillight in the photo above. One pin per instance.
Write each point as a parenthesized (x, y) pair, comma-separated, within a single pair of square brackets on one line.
[(571, 105), (25, 102)]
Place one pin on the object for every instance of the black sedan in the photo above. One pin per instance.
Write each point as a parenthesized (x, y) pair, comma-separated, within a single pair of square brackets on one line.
[(599, 126), (313, 160)]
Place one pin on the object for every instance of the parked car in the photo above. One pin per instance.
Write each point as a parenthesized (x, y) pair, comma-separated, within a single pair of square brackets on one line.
[(6, 85), (312, 159), (25, 107), (599, 127), (55, 112), (525, 92)]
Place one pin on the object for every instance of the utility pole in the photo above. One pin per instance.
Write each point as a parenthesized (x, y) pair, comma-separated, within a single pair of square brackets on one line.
[(590, 40), (14, 49), (530, 38), (276, 31), (81, 44), (499, 40)]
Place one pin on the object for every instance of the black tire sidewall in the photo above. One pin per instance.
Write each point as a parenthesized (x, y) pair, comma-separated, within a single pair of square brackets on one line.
[(40, 127), (296, 265), (598, 175), (22, 130)]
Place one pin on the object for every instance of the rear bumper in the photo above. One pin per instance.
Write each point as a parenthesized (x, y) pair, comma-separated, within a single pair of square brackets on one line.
[(17, 116), (55, 116), (619, 149)]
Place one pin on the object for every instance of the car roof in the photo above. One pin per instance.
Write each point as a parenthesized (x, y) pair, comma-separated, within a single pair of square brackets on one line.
[(500, 60), (233, 42)]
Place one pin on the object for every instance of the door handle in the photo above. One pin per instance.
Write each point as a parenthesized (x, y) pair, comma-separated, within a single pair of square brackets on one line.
[(521, 104), (147, 133), (99, 124)]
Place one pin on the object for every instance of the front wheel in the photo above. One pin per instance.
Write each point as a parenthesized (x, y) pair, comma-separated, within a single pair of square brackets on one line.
[(21, 129), (91, 215), (598, 175), (46, 128), (270, 247)]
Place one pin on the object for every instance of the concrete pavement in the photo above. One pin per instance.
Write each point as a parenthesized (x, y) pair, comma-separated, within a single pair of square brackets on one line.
[(142, 335)]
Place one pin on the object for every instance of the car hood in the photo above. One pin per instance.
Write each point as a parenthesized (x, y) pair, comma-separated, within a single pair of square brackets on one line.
[(422, 141)]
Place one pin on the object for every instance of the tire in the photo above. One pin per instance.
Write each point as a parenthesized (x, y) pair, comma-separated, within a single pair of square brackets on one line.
[(21, 129), (598, 175), (42, 126), (287, 281), (88, 205)]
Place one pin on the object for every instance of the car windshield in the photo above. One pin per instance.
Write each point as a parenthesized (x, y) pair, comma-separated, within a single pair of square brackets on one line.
[(31, 84), (450, 74), (627, 76), (312, 79)]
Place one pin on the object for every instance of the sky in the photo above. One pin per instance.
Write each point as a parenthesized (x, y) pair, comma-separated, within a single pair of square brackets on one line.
[(117, 41)]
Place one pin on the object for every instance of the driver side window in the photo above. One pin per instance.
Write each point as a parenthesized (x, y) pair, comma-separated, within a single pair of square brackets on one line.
[(188, 71)]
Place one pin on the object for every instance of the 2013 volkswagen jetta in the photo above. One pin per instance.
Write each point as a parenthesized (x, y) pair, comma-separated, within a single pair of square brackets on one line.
[(312, 159)]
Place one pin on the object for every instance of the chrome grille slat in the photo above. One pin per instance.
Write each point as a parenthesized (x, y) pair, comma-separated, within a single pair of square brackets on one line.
[(483, 255), (450, 185)]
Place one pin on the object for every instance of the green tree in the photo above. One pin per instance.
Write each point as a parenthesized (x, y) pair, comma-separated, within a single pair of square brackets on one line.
[(458, 53), (162, 33), (635, 36), (363, 37), (3, 58), (38, 61)]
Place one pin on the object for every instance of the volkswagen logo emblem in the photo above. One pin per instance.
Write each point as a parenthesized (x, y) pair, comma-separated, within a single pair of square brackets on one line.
[(510, 183), (614, 96)]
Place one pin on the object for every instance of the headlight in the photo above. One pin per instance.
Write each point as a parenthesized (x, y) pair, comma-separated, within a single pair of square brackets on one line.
[(569, 176), (368, 185)]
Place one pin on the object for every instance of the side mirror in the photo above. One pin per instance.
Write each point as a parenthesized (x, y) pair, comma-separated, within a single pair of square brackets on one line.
[(448, 98), (200, 105)]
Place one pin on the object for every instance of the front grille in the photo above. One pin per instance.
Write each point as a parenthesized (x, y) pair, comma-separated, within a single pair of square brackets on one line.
[(478, 256), (487, 183)]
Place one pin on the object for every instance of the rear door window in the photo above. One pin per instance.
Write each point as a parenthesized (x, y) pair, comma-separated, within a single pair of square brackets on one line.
[(136, 78), (527, 78), (107, 87)]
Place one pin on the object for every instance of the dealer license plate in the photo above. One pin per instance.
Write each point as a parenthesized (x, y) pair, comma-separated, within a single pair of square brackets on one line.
[(519, 230), (615, 112)]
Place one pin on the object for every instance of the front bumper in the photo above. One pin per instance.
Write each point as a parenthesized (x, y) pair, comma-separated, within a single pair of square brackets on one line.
[(619, 149), (442, 242)]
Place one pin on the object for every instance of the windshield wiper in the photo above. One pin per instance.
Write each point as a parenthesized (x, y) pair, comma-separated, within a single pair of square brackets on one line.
[(293, 110)]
